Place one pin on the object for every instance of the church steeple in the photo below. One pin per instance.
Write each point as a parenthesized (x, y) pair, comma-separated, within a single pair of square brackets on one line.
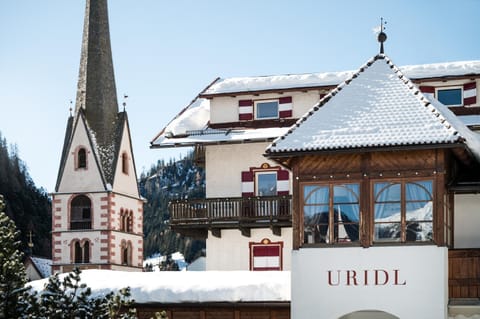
[(96, 92), (96, 207)]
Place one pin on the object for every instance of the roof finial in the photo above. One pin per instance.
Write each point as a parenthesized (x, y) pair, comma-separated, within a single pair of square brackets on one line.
[(125, 97), (382, 37)]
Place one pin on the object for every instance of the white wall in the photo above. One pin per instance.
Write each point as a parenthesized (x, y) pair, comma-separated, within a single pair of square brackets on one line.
[(80, 180), (232, 252), (225, 164), (467, 221), (419, 290)]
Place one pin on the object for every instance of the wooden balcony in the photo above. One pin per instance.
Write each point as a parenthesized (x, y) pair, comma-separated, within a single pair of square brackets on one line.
[(464, 273), (196, 216)]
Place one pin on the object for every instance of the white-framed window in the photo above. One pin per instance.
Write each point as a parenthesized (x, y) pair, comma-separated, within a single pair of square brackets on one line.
[(450, 96), (266, 183), (266, 109)]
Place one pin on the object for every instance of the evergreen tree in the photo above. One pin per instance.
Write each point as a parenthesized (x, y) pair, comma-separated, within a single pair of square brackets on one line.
[(68, 298), (12, 274)]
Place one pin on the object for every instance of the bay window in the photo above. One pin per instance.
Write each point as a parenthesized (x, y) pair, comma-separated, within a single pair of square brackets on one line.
[(331, 213), (403, 211), (391, 211)]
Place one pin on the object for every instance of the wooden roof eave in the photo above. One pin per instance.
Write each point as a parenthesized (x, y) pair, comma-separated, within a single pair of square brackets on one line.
[(281, 156)]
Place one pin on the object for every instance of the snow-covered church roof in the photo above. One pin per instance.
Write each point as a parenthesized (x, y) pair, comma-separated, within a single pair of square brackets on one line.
[(378, 106), (189, 287)]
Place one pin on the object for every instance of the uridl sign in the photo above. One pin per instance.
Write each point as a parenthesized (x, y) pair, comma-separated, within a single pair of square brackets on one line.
[(373, 277)]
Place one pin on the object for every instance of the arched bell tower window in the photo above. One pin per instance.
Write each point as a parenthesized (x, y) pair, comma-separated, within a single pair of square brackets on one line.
[(124, 163), (81, 252), (82, 158), (126, 253), (81, 213)]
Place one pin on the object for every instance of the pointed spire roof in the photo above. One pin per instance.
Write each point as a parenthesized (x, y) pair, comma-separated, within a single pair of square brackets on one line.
[(377, 107), (96, 104), (96, 92)]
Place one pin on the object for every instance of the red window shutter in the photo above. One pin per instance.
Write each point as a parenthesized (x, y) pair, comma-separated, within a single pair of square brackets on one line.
[(428, 91), (283, 186), (247, 184), (245, 110), (285, 107), (470, 93)]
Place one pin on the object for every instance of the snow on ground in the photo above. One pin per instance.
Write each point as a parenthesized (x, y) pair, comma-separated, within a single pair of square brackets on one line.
[(189, 287)]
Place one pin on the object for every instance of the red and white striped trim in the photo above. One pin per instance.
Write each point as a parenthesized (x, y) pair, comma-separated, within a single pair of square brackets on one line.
[(283, 185), (248, 185), (245, 110), (266, 255), (248, 182), (428, 91), (470, 93), (285, 107)]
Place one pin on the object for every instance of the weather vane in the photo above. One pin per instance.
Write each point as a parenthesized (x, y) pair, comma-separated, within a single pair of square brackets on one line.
[(382, 36), (125, 97)]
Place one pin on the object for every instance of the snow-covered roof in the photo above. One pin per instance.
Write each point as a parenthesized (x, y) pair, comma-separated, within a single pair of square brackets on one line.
[(378, 106), (43, 265), (213, 136), (288, 81), (195, 117), (189, 287)]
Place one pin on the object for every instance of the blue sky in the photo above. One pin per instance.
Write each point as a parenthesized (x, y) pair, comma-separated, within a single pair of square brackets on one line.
[(165, 52)]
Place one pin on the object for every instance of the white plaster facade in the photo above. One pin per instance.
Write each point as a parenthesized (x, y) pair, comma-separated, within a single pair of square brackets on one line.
[(224, 164), (406, 282), (232, 252)]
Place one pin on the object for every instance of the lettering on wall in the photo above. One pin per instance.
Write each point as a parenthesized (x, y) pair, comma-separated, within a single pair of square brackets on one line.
[(372, 277)]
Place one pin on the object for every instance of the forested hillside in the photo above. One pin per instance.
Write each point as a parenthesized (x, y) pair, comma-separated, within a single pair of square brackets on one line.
[(162, 183), (26, 205)]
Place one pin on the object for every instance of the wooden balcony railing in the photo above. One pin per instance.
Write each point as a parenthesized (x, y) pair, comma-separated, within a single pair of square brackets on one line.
[(464, 273), (231, 212)]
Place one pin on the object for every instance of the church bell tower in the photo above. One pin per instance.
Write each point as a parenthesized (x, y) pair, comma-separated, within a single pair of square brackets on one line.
[(97, 211)]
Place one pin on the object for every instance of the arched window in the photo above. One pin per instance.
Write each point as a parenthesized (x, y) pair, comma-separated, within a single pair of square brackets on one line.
[(80, 213), (78, 253), (82, 158), (81, 252), (126, 253), (125, 163), (129, 222), (86, 252), (126, 221)]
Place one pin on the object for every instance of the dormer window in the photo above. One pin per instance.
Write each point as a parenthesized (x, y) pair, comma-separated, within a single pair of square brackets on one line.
[(82, 158), (452, 96), (249, 110), (266, 109)]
